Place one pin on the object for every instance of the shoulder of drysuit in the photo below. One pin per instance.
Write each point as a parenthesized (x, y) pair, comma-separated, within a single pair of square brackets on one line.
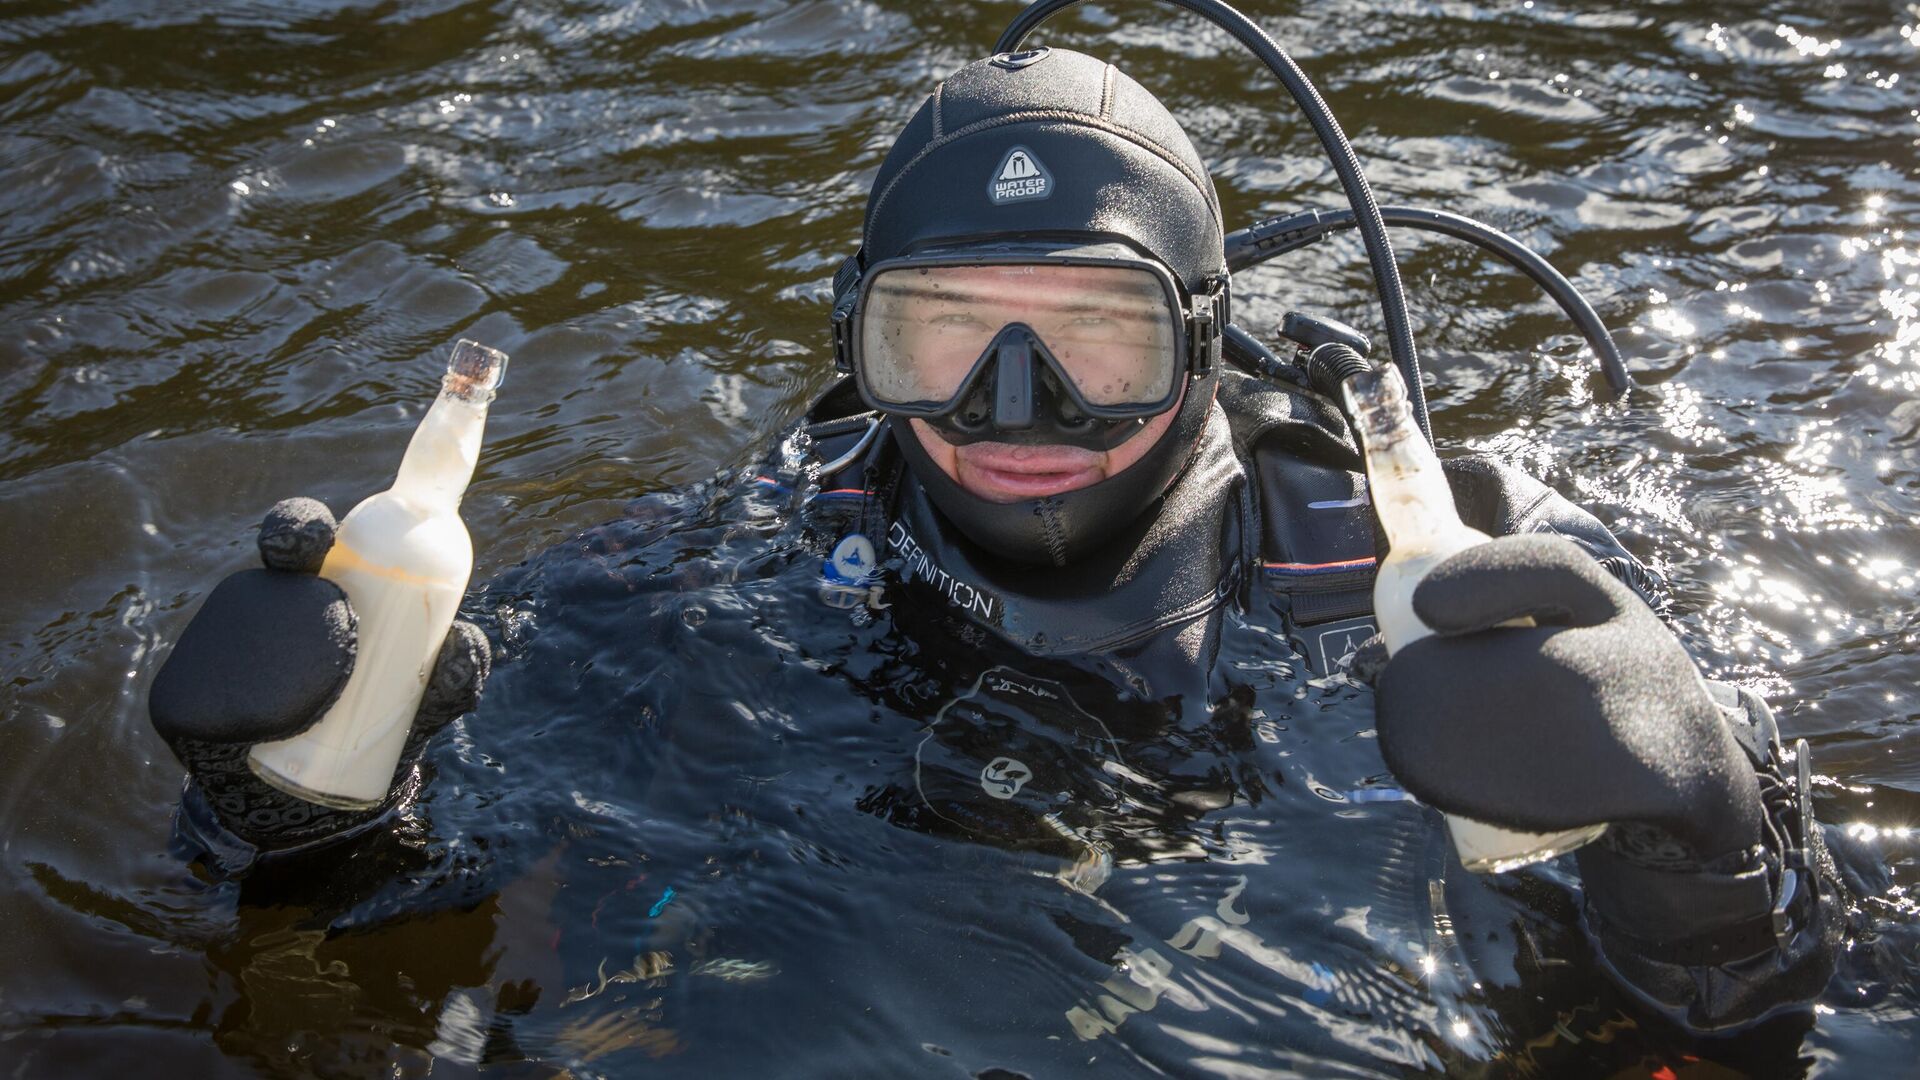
[(840, 436), (836, 414), (1501, 500)]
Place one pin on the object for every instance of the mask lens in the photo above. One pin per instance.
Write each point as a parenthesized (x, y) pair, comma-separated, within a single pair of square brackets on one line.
[(1112, 330)]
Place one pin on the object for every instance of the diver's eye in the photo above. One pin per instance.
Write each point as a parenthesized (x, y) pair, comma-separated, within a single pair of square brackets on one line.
[(1091, 328), (955, 320)]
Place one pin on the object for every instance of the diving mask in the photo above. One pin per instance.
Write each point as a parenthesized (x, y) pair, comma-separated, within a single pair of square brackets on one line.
[(1080, 347)]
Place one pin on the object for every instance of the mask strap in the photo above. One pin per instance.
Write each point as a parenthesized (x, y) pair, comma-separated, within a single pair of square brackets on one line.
[(846, 290)]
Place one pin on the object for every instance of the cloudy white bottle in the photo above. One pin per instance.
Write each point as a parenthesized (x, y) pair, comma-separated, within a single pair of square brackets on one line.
[(403, 558), (1416, 509)]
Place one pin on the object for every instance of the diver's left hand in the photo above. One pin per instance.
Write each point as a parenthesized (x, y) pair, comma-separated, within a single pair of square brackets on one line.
[(1595, 714)]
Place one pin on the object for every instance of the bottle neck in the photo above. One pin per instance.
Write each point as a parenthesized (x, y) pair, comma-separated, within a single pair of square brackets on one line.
[(1410, 495), (441, 457), (1407, 485)]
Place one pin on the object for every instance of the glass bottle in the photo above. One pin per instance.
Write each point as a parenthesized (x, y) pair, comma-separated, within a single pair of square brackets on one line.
[(1415, 507), (403, 558)]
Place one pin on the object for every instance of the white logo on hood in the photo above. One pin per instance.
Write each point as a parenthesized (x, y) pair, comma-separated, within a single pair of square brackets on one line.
[(1020, 178)]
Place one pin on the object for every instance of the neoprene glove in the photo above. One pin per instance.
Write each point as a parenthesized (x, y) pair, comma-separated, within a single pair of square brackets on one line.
[(1595, 714), (268, 652), (1705, 895)]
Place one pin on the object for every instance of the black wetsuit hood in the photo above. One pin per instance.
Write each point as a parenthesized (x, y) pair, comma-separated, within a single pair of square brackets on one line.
[(1104, 161), (1117, 163)]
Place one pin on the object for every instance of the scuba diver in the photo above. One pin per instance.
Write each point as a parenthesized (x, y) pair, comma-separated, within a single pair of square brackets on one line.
[(1047, 475)]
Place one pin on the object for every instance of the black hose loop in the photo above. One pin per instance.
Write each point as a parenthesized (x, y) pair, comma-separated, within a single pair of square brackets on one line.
[(1270, 239)]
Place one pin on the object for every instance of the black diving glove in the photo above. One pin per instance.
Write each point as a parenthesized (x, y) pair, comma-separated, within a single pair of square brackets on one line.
[(1597, 714), (268, 652)]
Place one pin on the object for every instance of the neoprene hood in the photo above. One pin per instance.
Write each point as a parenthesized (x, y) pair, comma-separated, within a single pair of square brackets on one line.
[(1051, 145)]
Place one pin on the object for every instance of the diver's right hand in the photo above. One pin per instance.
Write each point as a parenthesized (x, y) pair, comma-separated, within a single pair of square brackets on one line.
[(266, 655)]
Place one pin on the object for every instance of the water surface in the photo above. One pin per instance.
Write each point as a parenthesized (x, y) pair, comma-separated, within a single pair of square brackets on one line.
[(237, 238)]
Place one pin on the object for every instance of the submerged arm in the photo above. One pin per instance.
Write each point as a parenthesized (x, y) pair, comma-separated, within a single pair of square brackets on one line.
[(1716, 944)]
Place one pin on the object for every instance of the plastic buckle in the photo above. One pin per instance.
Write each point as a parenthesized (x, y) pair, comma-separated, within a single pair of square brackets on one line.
[(1207, 325), (1782, 921), (842, 322), (1203, 338)]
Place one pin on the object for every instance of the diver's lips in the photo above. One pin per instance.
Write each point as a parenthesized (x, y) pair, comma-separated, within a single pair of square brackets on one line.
[(1027, 472)]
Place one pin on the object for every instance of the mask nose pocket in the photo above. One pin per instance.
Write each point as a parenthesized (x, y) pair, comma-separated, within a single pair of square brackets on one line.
[(1013, 380)]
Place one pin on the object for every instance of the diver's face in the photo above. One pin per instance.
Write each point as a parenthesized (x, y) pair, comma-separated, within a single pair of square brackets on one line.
[(1109, 328), (1008, 472)]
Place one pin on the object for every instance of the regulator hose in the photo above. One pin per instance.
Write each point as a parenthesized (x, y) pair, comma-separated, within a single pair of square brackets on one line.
[(1269, 239)]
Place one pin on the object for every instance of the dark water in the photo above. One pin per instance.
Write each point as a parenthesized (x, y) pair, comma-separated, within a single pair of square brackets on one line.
[(236, 236)]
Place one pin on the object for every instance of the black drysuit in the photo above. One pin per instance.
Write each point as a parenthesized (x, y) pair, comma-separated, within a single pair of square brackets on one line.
[(813, 650)]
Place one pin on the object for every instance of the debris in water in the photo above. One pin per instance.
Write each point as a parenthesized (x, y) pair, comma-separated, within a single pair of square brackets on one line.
[(736, 970)]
